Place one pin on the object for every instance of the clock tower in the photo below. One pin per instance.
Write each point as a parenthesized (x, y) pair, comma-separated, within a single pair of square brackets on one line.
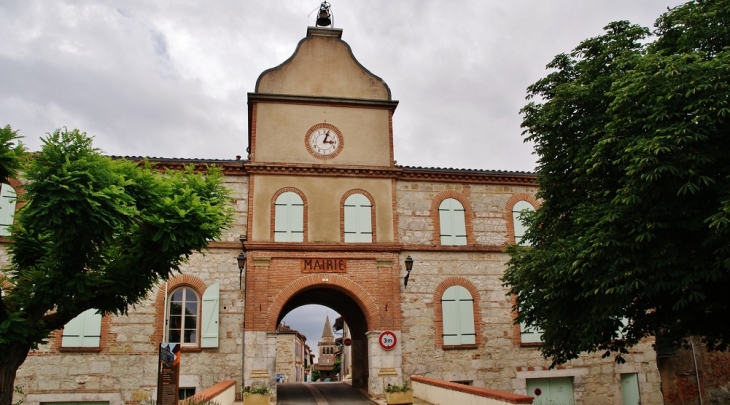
[(322, 228)]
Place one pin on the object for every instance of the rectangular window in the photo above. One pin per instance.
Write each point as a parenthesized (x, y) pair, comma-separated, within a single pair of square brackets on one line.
[(184, 393)]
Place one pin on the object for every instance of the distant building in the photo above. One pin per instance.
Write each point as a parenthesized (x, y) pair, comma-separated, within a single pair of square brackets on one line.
[(327, 353), (290, 354)]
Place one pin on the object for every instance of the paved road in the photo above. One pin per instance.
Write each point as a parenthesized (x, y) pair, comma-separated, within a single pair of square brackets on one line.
[(329, 393)]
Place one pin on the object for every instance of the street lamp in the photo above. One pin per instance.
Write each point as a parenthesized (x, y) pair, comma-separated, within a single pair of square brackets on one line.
[(241, 259), (409, 267)]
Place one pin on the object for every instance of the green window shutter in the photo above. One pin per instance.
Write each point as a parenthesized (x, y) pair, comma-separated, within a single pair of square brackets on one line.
[(210, 313), (520, 227), (530, 335), (289, 218), (466, 317), (7, 208), (450, 316), (457, 309), (452, 222), (358, 223), (83, 331)]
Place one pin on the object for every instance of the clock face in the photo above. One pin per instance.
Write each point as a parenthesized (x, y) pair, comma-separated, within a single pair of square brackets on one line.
[(324, 141)]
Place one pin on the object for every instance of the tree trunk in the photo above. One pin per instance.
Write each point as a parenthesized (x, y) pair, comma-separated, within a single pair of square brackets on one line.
[(13, 358)]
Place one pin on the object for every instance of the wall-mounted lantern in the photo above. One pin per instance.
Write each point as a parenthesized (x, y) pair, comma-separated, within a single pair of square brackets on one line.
[(409, 267), (241, 259)]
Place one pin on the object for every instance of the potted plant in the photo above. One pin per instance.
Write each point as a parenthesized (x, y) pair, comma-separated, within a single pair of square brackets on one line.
[(398, 394), (256, 395)]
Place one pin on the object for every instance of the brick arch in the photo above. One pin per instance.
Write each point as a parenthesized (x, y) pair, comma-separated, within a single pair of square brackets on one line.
[(178, 281), (438, 318), (462, 198), (514, 199), (305, 215), (358, 294), (342, 212)]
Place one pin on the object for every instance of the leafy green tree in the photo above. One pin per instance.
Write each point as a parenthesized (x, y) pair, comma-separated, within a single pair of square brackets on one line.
[(315, 375), (11, 153), (633, 235), (99, 233)]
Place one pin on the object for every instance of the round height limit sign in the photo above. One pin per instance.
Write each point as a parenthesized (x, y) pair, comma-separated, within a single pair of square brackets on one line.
[(387, 340)]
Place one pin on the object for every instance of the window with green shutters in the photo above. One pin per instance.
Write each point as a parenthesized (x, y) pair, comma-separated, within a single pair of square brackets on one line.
[(358, 219), (530, 334), (7, 208), (83, 331), (289, 218), (457, 310), (520, 227), (452, 222)]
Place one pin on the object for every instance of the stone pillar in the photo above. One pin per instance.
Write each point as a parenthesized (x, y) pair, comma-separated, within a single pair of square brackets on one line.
[(385, 366), (260, 359)]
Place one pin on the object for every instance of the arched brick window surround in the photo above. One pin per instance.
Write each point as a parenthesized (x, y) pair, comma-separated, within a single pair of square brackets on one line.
[(468, 215), (508, 212), (342, 212), (305, 214), (335, 281), (182, 280), (438, 315)]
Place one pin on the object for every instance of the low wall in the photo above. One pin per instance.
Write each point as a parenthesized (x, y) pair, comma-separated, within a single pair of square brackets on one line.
[(439, 392), (223, 393)]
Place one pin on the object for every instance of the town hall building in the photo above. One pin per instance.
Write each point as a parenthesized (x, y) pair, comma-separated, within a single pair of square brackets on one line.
[(325, 216)]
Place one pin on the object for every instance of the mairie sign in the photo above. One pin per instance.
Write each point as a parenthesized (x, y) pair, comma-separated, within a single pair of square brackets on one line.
[(324, 265)]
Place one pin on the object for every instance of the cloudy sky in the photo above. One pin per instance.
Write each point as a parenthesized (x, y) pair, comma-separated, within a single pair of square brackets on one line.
[(169, 78)]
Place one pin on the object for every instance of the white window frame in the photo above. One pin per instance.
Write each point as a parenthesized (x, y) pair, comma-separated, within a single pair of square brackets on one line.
[(452, 222), (83, 331), (289, 218), (518, 226), (186, 291), (358, 211), (457, 315)]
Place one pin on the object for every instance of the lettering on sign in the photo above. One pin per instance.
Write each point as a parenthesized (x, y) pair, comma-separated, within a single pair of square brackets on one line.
[(324, 265)]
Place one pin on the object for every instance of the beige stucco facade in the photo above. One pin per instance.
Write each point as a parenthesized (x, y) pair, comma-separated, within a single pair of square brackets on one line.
[(323, 83)]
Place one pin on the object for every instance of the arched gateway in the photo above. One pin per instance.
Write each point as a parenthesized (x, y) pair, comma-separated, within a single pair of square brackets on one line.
[(322, 228)]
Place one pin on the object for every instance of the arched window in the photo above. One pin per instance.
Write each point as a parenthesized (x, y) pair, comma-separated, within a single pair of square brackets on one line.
[(83, 331), (183, 315), (358, 219), (452, 222), (289, 218), (7, 208), (520, 227), (457, 308)]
